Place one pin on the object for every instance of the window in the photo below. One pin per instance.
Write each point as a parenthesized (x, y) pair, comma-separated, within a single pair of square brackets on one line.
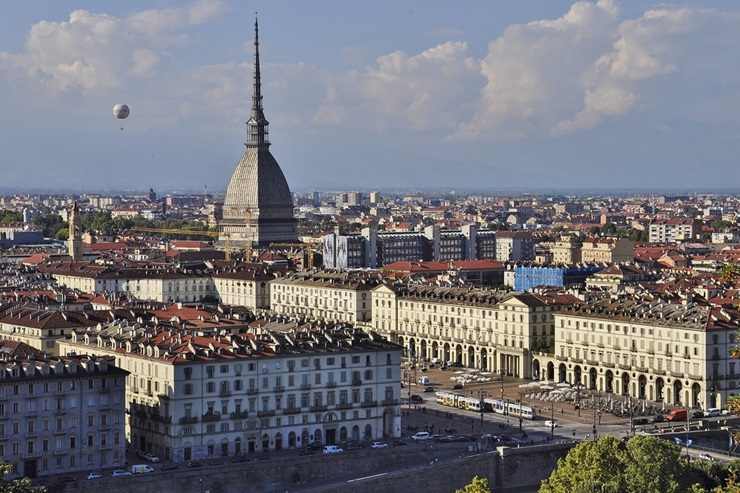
[(210, 370), (188, 373), (188, 389)]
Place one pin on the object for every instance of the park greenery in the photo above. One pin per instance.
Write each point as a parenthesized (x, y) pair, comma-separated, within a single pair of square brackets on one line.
[(22, 485), (642, 464), (102, 224), (477, 485)]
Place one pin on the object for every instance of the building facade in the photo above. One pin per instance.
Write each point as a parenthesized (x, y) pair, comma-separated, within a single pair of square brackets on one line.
[(484, 329), (514, 246), (672, 353), (61, 415), (192, 397), (673, 230), (608, 250), (331, 296)]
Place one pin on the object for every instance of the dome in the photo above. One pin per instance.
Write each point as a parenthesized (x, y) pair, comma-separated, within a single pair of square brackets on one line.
[(257, 183)]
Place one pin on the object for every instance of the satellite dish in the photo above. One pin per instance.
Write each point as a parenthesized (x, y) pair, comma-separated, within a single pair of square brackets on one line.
[(121, 111)]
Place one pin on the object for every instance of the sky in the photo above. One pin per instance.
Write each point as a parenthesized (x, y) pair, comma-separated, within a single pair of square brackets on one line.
[(474, 95)]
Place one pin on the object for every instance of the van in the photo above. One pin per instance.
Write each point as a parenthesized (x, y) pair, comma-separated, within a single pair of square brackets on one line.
[(424, 380), (141, 468), (713, 412), (677, 415)]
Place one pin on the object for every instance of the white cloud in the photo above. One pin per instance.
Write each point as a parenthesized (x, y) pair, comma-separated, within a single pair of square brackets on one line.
[(434, 89), (570, 73), (92, 51)]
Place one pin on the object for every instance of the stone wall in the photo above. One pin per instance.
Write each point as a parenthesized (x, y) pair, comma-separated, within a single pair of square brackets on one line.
[(508, 470)]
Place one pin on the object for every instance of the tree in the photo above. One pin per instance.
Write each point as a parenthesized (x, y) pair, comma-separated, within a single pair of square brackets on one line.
[(477, 485), (642, 464), (22, 485)]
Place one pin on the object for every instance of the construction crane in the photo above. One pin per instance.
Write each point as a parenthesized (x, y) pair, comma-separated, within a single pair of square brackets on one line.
[(228, 249)]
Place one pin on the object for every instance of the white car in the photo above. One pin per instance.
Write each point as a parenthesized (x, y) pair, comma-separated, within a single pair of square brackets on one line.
[(551, 424), (332, 449), (379, 445), (421, 435), (141, 469), (120, 473), (94, 475), (706, 457)]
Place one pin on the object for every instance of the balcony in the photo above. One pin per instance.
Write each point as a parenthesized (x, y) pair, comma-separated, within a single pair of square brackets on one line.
[(239, 415), (677, 374), (305, 386), (356, 382), (224, 393), (265, 414), (278, 388), (188, 420), (344, 405), (331, 385), (391, 402), (292, 410), (318, 408), (369, 403), (252, 391), (622, 366), (659, 372), (210, 417)]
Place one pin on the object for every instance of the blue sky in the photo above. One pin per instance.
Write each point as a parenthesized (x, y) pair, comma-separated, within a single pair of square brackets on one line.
[(489, 96)]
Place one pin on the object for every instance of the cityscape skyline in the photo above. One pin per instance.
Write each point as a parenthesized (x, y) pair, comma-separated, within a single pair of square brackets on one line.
[(449, 102)]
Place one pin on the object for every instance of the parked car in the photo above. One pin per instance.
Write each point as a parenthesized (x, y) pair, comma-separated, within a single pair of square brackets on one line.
[(416, 399), (659, 418), (713, 412), (120, 473), (421, 435), (551, 423), (706, 457), (94, 475), (148, 456), (379, 445), (457, 386), (332, 449), (428, 389), (141, 469), (194, 464)]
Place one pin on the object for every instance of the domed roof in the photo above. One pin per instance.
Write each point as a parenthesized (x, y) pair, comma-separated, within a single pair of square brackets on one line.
[(257, 182)]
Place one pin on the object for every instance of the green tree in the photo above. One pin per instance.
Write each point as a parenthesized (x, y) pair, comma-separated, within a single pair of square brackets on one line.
[(477, 485), (22, 485), (10, 217), (62, 234), (641, 465)]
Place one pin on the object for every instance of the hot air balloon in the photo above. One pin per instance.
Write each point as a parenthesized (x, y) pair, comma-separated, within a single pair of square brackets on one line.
[(121, 111)]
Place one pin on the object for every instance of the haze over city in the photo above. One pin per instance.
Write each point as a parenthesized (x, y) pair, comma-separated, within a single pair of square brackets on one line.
[(537, 94)]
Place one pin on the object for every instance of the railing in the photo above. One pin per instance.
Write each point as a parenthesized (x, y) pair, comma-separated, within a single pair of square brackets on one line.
[(292, 410), (188, 420), (658, 372), (265, 414), (278, 388), (391, 402), (224, 393), (331, 385), (209, 417), (344, 405), (252, 391), (305, 386), (369, 403), (239, 415), (356, 382), (677, 374), (623, 366), (318, 408)]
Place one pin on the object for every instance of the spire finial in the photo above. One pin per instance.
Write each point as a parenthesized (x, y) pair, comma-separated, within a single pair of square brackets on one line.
[(257, 124)]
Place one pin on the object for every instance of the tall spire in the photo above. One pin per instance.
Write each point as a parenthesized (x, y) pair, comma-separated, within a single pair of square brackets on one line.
[(257, 124)]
